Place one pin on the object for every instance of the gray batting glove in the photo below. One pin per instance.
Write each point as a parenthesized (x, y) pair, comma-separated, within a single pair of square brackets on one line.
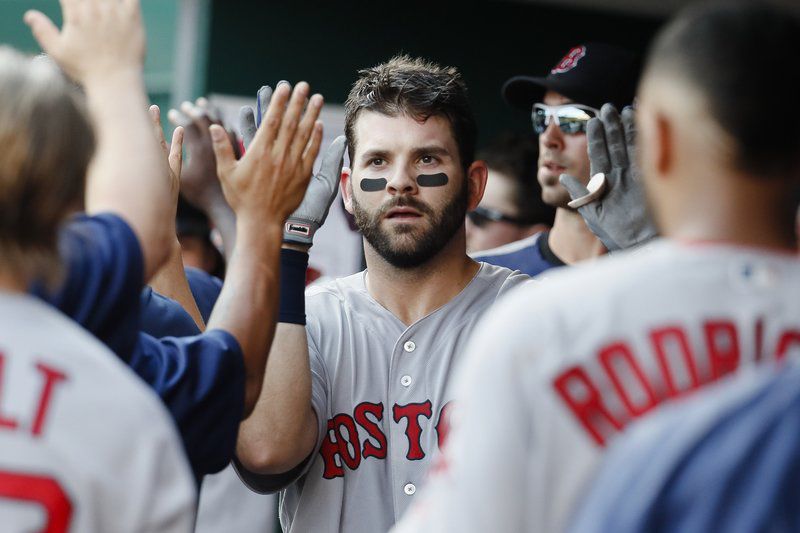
[(618, 215), (250, 120), (306, 220)]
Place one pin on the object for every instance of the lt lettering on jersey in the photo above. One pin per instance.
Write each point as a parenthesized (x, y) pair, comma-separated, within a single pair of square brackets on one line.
[(342, 446), (618, 388), (36, 416)]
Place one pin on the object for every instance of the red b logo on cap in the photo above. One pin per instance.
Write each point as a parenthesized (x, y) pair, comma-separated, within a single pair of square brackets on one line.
[(570, 60)]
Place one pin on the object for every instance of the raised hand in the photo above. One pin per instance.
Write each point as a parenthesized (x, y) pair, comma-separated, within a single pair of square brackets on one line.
[(98, 39), (270, 180), (616, 212), (307, 219), (198, 180), (173, 153)]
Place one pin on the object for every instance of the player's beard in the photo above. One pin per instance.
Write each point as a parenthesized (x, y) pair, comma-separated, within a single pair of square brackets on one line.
[(426, 242)]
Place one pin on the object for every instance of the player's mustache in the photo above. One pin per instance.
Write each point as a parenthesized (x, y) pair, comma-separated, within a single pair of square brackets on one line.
[(551, 158), (405, 201)]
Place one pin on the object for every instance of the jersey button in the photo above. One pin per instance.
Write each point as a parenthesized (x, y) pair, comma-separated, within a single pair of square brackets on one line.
[(405, 381), (409, 346), (410, 489)]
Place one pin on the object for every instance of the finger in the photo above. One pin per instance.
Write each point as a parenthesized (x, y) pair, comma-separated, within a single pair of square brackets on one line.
[(262, 103), (223, 151), (176, 118), (247, 125), (574, 187), (615, 140), (176, 151), (44, 31), (598, 153), (306, 127), (629, 127), (291, 120), (158, 131), (331, 167), (271, 122), (192, 111), (310, 154)]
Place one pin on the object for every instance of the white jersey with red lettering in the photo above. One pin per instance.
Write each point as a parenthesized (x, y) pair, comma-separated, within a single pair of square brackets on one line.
[(559, 368), (379, 389), (84, 444)]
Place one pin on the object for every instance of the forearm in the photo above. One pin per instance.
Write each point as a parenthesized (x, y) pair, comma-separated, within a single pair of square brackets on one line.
[(247, 307), (129, 175), (282, 430), (170, 281), (224, 219)]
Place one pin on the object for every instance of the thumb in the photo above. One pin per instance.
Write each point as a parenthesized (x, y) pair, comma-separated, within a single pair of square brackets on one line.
[(43, 29), (223, 151), (574, 187)]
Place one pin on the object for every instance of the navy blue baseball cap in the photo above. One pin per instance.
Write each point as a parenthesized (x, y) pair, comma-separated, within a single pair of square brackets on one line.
[(590, 74)]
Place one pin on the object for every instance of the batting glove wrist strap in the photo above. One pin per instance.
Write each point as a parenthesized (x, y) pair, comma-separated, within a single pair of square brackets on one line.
[(292, 309)]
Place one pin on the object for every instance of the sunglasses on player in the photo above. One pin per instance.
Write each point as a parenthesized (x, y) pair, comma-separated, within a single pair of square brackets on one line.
[(481, 216), (570, 118)]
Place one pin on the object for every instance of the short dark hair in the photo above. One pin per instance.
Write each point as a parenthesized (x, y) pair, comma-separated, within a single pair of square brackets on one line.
[(417, 88), (742, 56), (517, 156)]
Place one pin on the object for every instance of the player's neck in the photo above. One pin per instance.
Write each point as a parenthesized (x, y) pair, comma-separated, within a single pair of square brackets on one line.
[(11, 283), (413, 293), (571, 239), (753, 213)]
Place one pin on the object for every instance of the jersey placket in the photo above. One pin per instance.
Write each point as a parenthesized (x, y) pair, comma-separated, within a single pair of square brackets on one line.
[(406, 392)]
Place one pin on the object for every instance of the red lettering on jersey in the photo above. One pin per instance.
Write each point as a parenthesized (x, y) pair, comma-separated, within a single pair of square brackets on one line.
[(443, 425), (6, 421), (674, 336), (616, 358), (722, 344), (788, 338), (44, 491), (340, 446), (583, 398), (51, 377), (360, 414), (411, 412)]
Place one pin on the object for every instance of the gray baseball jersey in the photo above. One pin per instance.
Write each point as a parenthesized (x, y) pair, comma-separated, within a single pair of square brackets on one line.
[(380, 391), (84, 444), (560, 368)]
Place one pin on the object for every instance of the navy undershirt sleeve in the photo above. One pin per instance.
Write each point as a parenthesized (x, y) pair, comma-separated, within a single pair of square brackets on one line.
[(104, 272), (200, 379)]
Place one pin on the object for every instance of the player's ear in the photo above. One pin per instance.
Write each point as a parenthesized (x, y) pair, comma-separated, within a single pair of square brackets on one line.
[(662, 144), (476, 176), (347, 189)]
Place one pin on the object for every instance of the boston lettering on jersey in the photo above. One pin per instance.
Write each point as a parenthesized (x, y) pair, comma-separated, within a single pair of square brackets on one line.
[(603, 411), (343, 447), (35, 420)]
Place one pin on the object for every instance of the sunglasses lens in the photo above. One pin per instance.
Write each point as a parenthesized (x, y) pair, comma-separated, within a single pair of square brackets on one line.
[(478, 218), (573, 119), (539, 117)]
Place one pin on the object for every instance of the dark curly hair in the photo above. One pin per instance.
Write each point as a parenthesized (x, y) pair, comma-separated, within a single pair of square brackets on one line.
[(417, 88)]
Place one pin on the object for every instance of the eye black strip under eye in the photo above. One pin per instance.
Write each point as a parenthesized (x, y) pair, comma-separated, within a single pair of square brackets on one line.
[(373, 184), (432, 180)]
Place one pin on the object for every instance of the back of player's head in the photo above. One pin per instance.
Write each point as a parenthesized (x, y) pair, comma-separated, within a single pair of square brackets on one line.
[(416, 88), (47, 142), (741, 58), (516, 156)]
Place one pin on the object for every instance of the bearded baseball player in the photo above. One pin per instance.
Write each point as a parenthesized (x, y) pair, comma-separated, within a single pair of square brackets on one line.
[(353, 403), (560, 368), (68, 406)]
